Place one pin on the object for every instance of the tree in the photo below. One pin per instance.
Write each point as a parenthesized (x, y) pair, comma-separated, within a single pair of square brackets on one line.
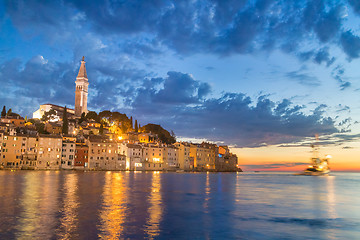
[(9, 112), (93, 115), (163, 135), (65, 126), (40, 128), (49, 115), (3, 112), (136, 126), (131, 122), (101, 130), (82, 118)]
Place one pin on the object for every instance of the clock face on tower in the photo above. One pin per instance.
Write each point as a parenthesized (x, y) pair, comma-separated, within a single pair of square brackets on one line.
[(81, 90)]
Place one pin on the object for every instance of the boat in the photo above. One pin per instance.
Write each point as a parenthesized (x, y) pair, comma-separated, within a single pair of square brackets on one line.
[(319, 166)]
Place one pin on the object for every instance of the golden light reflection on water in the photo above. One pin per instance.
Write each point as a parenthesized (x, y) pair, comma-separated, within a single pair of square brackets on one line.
[(39, 203), (70, 219), (29, 220), (331, 204), (113, 213), (207, 193), (155, 210)]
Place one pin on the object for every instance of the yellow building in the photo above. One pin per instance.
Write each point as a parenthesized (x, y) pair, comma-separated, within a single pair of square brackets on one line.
[(184, 155), (16, 120), (153, 157), (171, 157), (49, 152), (19, 151), (204, 156), (104, 154)]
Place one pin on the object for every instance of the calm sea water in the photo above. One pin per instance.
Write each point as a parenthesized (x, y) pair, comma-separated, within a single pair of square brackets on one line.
[(108, 205)]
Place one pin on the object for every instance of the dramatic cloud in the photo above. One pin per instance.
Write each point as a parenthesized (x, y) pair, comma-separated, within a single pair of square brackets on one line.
[(232, 118), (223, 27), (129, 44)]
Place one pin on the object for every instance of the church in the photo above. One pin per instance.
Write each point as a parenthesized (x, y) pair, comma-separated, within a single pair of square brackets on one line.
[(81, 95)]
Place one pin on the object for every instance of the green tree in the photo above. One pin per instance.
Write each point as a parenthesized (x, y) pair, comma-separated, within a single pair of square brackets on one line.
[(136, 126), (65, 126), (163, 135), (40, 128), (3, 112), (49, 115), (82, 118), (101, 130), (93, 115)]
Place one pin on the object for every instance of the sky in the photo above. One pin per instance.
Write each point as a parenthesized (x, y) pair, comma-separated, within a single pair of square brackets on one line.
[(261, 76)]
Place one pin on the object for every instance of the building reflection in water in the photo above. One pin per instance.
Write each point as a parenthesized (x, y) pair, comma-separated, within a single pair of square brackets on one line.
[(155, 211), (69, 220), (39, 207), (113, 213)]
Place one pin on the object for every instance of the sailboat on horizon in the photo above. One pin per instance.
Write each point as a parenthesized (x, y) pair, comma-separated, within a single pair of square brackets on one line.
[(319, 166)]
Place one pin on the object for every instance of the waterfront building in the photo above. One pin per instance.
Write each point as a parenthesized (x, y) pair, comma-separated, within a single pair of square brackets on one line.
[(225, 160), (28, 151), (68, 152), (184, 155), (81, 156), (204, 156), (153, 157), (11, 151), (171, 157), (81, 90), (18, 151), (104, 154), (133, 154), (49, 151)]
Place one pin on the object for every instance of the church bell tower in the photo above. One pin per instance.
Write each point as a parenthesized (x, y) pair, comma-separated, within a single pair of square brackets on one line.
[(81, 91)]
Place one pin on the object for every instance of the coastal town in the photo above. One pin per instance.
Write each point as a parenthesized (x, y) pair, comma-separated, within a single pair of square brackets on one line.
[(60, 138)]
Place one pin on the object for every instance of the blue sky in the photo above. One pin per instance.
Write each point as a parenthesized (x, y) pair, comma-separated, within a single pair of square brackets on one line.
[(247, 73)]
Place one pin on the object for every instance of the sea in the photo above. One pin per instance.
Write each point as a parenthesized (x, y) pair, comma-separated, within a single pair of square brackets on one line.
[(156, 205)]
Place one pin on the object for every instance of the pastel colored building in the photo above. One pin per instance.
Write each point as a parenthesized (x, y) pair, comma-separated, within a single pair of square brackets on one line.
[(81, 156), (49, 152), (184, 155), (171, 157)]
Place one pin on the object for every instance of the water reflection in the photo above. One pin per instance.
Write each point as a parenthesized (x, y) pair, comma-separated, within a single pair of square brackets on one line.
[(39, 204), (113, 213), (331, 196), (29, 219), (69, 220), (155, 210), (331, 202), (207, 193)]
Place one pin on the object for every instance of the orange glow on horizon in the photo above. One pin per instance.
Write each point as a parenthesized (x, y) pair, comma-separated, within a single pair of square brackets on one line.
[(273, 158)]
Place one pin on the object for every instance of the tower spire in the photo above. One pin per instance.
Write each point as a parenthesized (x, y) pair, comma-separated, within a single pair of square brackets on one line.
[(81, 90), (82, 70)]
